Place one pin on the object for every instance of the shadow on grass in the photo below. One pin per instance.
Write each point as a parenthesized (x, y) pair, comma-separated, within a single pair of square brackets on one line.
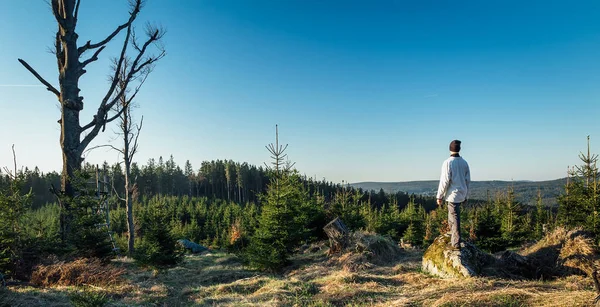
[(357, 298), (29, 296), (379, 280)]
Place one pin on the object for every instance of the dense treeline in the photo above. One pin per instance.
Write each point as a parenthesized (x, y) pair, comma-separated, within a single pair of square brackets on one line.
[(218, 223), (217, 179)]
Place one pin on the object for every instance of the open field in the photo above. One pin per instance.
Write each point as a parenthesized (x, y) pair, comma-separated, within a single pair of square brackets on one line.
[(219, 279)]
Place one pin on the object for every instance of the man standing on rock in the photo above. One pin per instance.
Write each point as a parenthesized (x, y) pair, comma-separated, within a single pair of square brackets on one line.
[(454, 188)]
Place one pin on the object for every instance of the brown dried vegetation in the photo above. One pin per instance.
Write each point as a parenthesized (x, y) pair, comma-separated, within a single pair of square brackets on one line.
[(77, 273)]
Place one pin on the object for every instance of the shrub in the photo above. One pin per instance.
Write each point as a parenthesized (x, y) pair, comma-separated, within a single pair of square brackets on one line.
[(12, 206), (88, 299), (158, 247)]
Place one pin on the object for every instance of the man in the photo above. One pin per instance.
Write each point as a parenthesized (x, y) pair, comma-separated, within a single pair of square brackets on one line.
[(454, 188)]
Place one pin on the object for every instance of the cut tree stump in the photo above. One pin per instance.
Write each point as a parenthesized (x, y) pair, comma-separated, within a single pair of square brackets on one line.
[(338, 234)]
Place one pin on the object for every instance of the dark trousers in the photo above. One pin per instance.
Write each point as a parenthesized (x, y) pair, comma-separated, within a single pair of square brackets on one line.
[(454, 222)]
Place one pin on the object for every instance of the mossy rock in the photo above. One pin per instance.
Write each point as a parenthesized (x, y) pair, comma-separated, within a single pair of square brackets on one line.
[(440, 260)]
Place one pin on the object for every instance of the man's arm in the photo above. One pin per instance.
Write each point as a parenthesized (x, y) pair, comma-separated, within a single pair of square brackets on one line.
[(468, 180), (444, 181)]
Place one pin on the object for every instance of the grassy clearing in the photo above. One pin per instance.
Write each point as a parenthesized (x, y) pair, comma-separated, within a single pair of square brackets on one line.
[(218, 279)]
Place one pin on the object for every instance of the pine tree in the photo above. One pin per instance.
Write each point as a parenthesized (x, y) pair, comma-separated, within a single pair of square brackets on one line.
[(189, 174), (488, 229), (158, 246), (278, 232), (580, 205), (88, 238), (13, 205)]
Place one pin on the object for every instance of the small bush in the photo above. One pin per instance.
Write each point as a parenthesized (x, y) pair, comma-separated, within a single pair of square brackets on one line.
[(158, 247), (77, 273), (88, 299)]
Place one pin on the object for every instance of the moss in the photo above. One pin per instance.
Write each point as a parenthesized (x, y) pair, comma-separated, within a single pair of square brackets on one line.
[(435, 255), (469, 262)]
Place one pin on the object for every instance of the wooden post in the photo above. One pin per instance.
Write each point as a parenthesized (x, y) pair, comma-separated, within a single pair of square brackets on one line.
[(106, 205)]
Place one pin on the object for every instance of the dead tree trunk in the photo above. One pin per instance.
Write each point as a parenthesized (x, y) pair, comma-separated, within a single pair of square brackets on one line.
[(127, 156), (71, 67), (129, 206), (338, 235), (130, 133)]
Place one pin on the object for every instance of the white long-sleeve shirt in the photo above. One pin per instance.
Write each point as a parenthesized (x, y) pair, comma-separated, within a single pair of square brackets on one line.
[(455, 180)]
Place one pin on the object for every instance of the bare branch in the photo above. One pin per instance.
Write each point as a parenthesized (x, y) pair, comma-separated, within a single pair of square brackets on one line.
[(119, 113), (97, 123), (96, 127), (14, 159), (125, 83), (8, 172), (117, 194), (135, 142), (123, 75), (77, 10), (46, 83), (89, 125), (136, 6), (102, 146), (93, 58), (115, 78)]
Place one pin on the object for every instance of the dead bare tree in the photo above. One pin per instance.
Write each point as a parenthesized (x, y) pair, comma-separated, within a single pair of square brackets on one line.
[(130, 132), (71, 67)]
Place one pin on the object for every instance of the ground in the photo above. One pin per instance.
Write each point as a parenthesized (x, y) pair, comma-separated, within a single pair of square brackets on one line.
[(219, 279)]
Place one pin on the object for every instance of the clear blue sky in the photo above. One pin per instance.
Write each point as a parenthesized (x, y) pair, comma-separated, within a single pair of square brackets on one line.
[(362, 90)]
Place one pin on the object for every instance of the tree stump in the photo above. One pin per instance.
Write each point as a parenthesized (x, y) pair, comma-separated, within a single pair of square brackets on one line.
[(337, 232)]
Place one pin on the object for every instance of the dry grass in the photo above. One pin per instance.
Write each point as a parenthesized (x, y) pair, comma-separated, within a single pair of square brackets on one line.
[(563, 252), (220, 280), (365, 251), (76, 273)]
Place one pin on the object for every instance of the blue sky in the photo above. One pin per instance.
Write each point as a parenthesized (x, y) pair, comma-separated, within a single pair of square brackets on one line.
[(362, 90)]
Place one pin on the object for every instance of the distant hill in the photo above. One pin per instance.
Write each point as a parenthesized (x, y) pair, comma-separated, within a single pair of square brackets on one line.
[(525, 191)]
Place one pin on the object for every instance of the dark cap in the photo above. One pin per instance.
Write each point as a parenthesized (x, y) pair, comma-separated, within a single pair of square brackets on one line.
[(455, 146)]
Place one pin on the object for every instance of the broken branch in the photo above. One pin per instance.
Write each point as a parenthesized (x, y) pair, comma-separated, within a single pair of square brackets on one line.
[(46, 83), (93, 58)]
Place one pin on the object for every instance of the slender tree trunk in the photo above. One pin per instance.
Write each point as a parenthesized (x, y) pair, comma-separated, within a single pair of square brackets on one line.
[(228, 191), (128, 187), (129, 205)]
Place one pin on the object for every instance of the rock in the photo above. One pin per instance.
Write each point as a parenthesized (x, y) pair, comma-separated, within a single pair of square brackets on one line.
[(193, 247), (440, 260)]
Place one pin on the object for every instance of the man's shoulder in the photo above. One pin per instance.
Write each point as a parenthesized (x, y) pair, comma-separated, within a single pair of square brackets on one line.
[(456, 159)]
